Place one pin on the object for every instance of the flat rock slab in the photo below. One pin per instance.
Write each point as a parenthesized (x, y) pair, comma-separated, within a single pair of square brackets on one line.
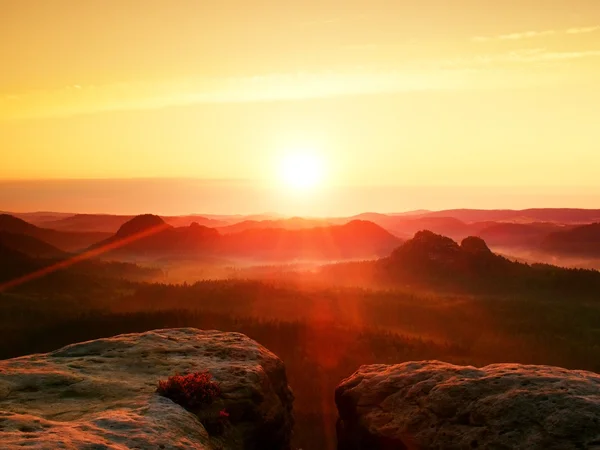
[(101, 394), (430, 405)]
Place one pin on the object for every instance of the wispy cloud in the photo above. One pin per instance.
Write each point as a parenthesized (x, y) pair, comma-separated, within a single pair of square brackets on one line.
[(487, 70), (582, 30), (516, 57), (142, 95), (535, 34)]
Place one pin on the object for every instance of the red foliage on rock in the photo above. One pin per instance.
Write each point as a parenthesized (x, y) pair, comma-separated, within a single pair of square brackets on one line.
[(191, 391)]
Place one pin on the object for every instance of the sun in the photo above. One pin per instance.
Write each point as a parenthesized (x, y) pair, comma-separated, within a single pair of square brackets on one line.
[(302, 170)]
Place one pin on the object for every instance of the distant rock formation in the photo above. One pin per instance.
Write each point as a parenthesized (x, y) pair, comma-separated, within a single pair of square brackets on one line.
[(432, 255), (101, 394), (141, 224), (475, 246), (150, 235), (434, 405)]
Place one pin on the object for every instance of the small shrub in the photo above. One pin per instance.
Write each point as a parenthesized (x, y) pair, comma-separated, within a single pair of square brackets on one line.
[(192, 391)]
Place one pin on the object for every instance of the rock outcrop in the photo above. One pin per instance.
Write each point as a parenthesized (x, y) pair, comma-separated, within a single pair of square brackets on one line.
[(101, 394), (433, 405)]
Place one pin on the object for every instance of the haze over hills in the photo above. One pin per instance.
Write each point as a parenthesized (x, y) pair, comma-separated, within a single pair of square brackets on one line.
[(505, 230), (64, 240), (558, 215), (519, 235), (293, 223), (104, 223), (432, 261), (355, 239), (107, 223), (428, 297), (427, 259), (151, 236), (583, 241)]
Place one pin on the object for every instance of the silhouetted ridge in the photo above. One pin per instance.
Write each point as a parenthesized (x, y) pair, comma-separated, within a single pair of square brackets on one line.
[(427, 246), (356, 239), (13, 224), (581, 241), (29, 245), (475, 246), (141, 224), (364, 226), (63, 240), (149, 235), (430, 257)]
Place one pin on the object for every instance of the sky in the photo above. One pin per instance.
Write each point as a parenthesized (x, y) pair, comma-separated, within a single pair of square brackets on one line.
[(405, 104)]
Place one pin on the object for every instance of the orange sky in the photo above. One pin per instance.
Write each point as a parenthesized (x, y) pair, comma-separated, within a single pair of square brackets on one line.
[(485, 95)]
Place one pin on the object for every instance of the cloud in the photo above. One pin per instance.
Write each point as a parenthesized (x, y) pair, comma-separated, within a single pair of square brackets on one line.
[(146, 95), (535, 34), (522, 56), (541, 55), (491, 70), (582, 30)]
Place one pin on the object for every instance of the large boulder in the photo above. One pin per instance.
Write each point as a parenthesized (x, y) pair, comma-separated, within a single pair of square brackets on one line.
[(101, 394), (434, 405)]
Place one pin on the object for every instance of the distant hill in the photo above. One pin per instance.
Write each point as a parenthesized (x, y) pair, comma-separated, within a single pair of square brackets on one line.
[(103, 223), (15, 225), (448, 226), (429, 261), (48, 267), (66, 241), (30, 246), (429, 254), (518, 235), (186, 221), (151, 236), (356, 239), (107, 223), (583, 241), (557, 215), (294, 223), (39, 217)]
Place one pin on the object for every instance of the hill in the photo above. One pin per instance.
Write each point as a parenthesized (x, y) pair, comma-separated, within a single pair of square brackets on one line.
[(448, 226), (108, 223), (63, 240), (150, 236), (29, 246), (104, 223), (356, 239), (432, 261), (557, 215), (581, 241), (293, 223), (430, 257), (518, 235)]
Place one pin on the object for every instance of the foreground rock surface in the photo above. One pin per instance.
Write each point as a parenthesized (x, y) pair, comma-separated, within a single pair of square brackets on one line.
[(433, 405), (101, 394)]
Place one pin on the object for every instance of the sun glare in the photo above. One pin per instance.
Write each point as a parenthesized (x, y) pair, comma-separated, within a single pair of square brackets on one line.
[(302, 170)]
